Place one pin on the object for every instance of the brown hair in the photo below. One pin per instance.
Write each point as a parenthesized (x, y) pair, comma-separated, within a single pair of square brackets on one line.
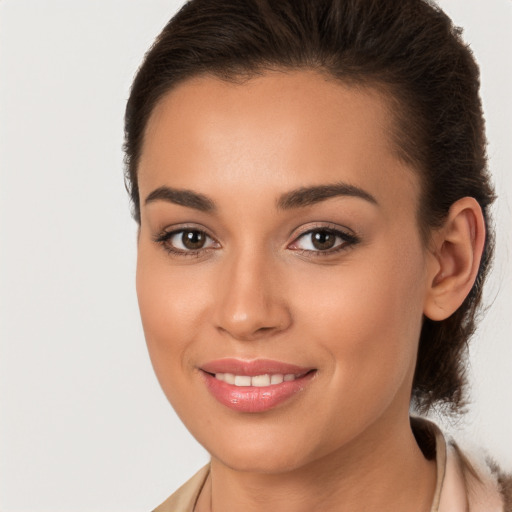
[(411, 51)]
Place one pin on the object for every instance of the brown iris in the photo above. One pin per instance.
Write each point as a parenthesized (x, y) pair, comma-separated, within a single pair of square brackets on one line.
[(323, 240), (193, 239)]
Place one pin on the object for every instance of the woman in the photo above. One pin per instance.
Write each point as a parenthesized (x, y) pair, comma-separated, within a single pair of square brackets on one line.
[(310, 182)]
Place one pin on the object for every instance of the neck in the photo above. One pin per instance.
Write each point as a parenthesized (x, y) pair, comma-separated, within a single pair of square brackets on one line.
[(384, 470)]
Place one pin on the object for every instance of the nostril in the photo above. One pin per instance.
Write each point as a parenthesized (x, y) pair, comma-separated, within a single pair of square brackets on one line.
[(248, 333), (265, 329)]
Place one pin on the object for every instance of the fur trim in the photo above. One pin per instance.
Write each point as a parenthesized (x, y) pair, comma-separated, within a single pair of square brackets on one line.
[(505, 484)]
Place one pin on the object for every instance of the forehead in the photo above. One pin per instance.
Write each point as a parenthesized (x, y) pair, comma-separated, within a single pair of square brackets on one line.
[(279, 129)]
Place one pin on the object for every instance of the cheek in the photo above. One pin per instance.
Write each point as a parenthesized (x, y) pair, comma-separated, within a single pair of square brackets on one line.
[(367, 316), (170, 303)]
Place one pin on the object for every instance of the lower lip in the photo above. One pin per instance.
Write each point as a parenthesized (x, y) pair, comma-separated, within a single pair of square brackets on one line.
[(252, 398)]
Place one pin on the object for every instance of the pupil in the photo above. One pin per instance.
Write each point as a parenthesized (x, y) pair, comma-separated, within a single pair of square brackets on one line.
[(323, 240), (193, 239)]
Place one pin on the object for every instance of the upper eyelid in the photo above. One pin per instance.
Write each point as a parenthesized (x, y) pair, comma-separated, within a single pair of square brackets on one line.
[(174, 232), (337, 232), (316, 226), (348, 236), (173, 229)]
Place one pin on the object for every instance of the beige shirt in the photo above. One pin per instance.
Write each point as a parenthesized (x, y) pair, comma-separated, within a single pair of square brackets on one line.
[(464, 484)]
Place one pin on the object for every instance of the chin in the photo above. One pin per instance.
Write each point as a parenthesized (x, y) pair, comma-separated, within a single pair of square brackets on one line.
[(269, 462), (259, 450)]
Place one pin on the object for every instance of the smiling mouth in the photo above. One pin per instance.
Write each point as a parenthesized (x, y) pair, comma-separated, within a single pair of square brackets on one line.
[(259, 381), (255, 386)]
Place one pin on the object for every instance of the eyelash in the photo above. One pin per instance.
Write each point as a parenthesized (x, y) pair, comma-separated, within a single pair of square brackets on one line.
[(348, 240), (165, 236)]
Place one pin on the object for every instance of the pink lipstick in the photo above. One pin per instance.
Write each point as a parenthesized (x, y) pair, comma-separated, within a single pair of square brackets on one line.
[(254, 386)]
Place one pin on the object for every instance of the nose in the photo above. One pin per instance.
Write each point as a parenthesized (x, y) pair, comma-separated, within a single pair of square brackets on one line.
[(251, 302)]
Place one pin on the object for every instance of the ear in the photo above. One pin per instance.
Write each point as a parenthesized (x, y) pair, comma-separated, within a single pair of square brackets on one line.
[(455, 257)]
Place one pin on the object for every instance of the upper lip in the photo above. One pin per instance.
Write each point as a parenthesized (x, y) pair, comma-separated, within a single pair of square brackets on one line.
[(253, 367)]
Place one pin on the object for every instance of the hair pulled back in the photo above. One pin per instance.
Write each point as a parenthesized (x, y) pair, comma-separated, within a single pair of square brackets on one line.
[(410, 50)]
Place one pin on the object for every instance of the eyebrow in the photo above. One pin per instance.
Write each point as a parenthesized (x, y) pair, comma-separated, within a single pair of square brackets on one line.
[(181, 197), (306, 196), (298, 198)]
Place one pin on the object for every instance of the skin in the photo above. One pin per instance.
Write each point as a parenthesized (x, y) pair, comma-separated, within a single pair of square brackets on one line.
[(260, 289)]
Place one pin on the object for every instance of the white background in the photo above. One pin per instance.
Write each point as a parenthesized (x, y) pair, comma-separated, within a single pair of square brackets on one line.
[(84, 425)]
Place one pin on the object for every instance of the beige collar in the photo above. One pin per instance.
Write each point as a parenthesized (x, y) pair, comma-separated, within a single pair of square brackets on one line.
[(464, 484)]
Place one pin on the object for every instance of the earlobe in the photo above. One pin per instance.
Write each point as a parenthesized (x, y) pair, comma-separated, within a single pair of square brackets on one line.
[(457, 251)]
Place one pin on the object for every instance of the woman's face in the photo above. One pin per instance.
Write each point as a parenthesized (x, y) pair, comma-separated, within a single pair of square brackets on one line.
[(279, 245)]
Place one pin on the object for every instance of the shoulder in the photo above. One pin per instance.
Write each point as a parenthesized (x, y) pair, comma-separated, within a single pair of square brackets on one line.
[(184, 499), (467, 478), (504, 482), (488, 488)]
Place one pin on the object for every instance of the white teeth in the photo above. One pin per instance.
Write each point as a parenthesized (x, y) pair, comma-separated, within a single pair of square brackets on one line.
[(257, 380), (277, 378), (242, 380), (260, 380), (229, 378)]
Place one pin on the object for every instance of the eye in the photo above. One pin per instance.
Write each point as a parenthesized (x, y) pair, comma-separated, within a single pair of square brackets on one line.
[(186, 241), (323, 240)]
